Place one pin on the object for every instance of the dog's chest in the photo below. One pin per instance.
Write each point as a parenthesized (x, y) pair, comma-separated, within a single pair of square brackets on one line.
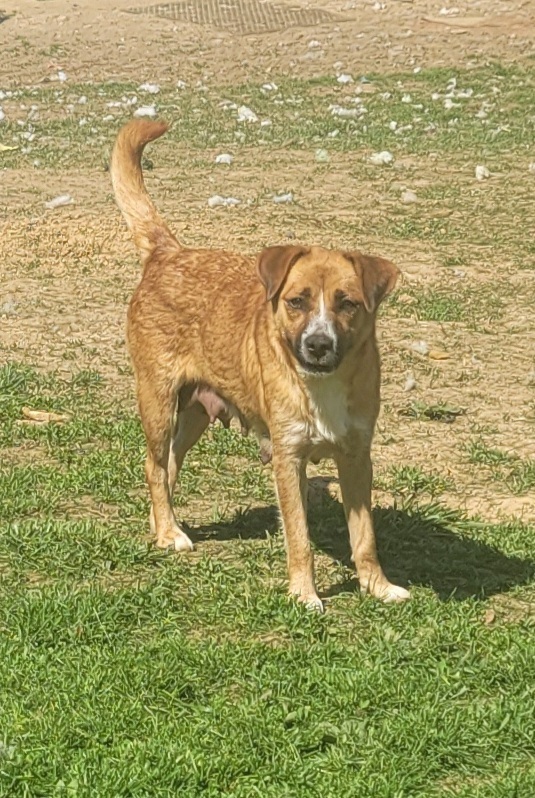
[(330, 418)]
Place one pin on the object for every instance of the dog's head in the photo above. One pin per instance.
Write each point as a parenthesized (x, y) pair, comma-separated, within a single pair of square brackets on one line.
[(324, 301)]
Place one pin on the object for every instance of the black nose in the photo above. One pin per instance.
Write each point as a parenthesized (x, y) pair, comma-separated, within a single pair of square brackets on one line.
[(319, 345)]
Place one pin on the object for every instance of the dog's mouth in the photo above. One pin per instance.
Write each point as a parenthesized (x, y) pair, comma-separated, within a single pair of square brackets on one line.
[(318, 366)]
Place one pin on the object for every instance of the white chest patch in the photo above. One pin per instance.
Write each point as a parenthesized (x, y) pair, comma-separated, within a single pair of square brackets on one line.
[(329, 421), (330, 414)]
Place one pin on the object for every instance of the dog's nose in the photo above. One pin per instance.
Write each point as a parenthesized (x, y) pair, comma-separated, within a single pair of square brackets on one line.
[(319, 345)]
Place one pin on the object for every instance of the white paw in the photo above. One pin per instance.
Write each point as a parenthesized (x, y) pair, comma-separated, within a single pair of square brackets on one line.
[(310, 600), (182, 542), (395, 595), (314, 603)]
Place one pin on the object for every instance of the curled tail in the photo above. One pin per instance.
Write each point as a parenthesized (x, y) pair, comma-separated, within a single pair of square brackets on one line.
[(143, 220)]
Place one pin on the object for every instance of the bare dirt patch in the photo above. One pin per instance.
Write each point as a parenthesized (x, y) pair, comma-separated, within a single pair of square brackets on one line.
[(99, 41)]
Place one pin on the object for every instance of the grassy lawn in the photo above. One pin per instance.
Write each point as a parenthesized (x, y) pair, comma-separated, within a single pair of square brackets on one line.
[(128, 672)]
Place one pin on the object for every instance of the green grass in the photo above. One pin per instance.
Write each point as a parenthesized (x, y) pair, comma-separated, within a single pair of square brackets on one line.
[(412, 481), (516, 473), (128, 672), (474, 306)]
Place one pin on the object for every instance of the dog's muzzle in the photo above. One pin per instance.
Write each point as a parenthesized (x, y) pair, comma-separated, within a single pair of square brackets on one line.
[(318, 353)]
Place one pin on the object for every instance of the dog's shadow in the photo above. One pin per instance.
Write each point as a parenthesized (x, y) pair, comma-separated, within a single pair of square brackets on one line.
[(415, 548)]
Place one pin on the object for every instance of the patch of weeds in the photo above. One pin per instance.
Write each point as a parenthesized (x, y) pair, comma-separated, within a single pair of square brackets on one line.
[(411, 481), (444, 413), (452, 261), (516, 473), (472, 306)]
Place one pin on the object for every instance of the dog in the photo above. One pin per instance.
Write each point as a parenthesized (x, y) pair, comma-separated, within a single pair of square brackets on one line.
[(285, 343)]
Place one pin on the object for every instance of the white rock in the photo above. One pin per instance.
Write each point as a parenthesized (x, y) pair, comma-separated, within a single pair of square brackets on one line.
[(344, 113), (9, 307), (217, 200), (108, 118), (180, 84), (62, 77), (82, 100), (225, 158), (417, 70), (406, 98), (145, 110), (279, 199), (321, 156), (314, 44), (246, 115), (270, 87), (420, 347), (482, 173), (410, 383), (448, 12), (344, 78), (392, 125), (409, 196), (150, 88), (58, 202), (531, 167), (380, 158), (266, 123)]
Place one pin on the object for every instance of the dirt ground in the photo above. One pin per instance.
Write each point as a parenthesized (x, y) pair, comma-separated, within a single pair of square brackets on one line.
[(71, 273), (99, 41)]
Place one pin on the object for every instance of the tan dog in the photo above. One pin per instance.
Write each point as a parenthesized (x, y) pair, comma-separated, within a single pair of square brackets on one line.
[(287, 344)]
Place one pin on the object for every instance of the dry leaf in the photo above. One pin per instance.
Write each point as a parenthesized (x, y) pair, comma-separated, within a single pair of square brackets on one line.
[(438, 354), (489, 617), (42, 416)]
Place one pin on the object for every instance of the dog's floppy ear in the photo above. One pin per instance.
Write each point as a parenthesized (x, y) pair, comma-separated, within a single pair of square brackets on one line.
[(273, 265), (378, 277)]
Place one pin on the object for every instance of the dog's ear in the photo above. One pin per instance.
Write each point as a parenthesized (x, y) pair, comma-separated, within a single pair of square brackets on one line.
[(378, 277), (273, 265)]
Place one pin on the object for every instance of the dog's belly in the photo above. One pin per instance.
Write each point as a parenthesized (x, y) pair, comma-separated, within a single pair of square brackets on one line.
[(217, 408)]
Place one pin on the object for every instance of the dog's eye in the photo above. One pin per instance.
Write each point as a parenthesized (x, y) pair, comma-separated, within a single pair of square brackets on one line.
[(296, 303), (347, 305)]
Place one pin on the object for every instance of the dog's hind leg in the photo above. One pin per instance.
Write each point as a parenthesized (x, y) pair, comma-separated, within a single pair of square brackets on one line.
[(191, 424), (157, 406)]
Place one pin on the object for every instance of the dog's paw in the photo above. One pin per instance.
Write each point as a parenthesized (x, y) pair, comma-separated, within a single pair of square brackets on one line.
[(310, 600), (389, 593), (182, 542), (176, 540), (313, 603), (395, 595)]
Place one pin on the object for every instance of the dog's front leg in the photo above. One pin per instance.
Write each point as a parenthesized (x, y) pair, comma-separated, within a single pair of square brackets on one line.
[(291, 485), (355, 473)]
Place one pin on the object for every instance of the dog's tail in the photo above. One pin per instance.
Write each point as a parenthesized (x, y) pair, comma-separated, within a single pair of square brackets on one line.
[(143, 220)]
